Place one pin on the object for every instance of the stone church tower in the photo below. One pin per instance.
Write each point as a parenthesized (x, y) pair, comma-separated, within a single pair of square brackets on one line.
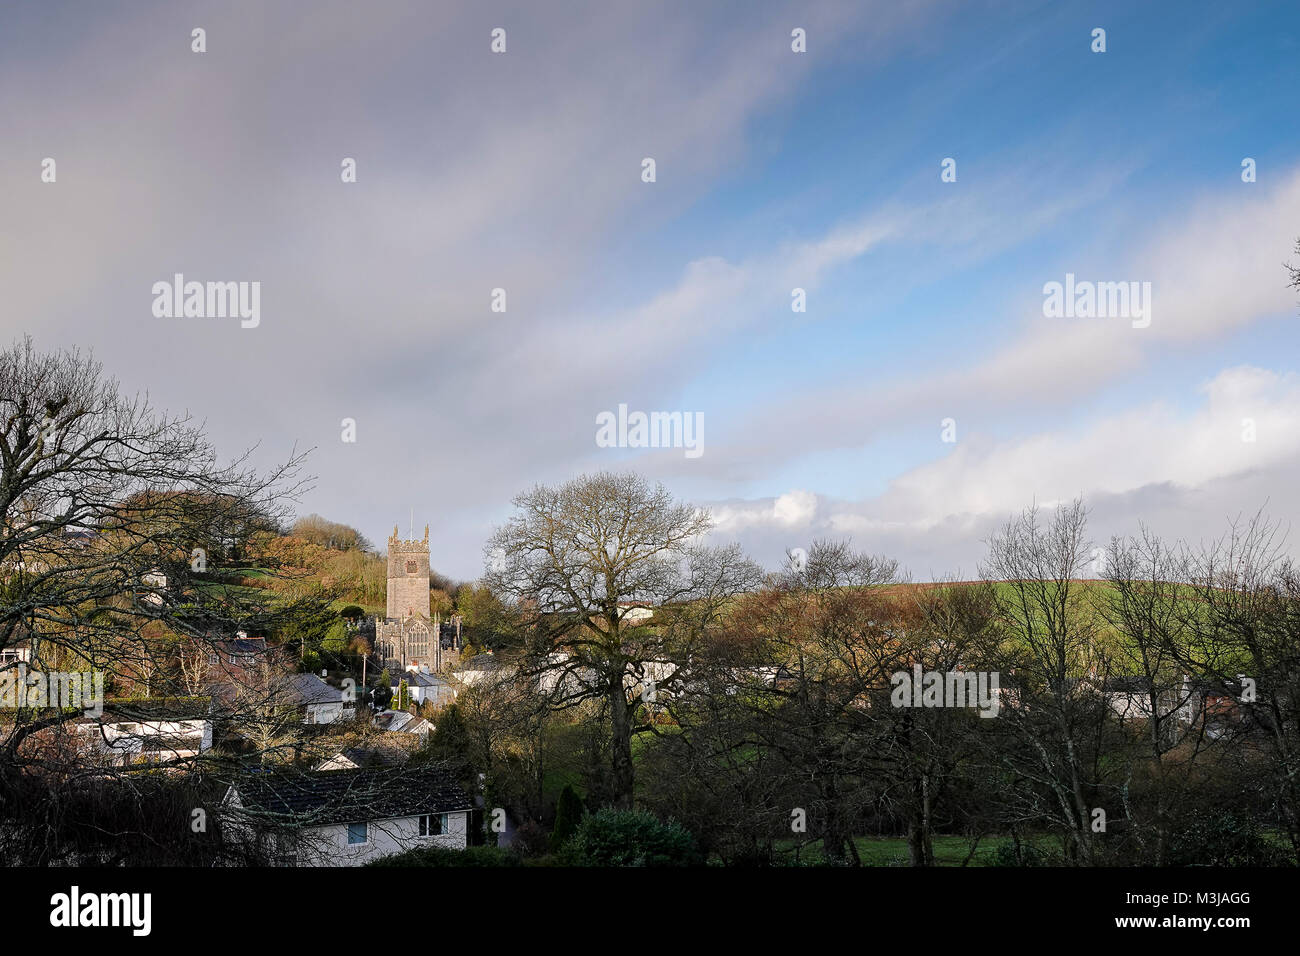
[(408, 577), (409, 637)]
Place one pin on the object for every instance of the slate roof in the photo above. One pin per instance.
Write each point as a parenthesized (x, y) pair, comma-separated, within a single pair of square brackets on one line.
[(245, 646), (310, 689), (351, 796), (153, 708), (374, 756), (418, 679), (401, 721)]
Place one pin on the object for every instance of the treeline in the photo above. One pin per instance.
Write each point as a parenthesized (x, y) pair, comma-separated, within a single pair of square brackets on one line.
[(1136, 703)]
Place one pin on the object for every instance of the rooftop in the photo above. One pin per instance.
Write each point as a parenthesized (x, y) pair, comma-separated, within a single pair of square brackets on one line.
[(341, 796), (310, 689)]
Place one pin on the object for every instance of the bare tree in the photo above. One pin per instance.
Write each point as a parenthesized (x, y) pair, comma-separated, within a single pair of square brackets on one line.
[(576, 561), (1244, 622), (1294, 271), (1050, 743), (822, 642), (114, 524)]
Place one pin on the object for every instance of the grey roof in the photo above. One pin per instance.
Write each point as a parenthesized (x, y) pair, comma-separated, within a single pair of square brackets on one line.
[(350, 796), (374, 756), (418, 679), (310, 689), (400, 721), (145, 709), (241, 645)]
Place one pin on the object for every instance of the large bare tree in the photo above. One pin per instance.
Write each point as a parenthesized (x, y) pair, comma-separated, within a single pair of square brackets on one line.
[(1049, 738), (578, 561), (115, 521)]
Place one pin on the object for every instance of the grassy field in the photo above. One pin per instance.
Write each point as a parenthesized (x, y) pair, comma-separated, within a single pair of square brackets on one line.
[(892, 851)]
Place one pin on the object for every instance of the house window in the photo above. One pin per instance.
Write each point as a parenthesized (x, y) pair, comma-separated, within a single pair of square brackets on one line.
[(356, 833), (434, 824)]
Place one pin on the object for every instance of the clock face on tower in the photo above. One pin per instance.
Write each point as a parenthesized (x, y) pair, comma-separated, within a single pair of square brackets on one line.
[(411, 567)]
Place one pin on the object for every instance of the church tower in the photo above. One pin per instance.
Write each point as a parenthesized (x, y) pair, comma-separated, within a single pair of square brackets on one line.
[(408, 577), (410, 637), (406, 638)]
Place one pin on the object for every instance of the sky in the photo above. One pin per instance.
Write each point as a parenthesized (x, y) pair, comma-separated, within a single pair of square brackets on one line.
[(923, 396)]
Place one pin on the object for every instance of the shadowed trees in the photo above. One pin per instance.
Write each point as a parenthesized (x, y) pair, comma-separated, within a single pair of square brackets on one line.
[(115, 520)]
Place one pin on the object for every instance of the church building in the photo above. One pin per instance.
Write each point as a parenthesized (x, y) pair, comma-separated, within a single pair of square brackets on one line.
[(409, 637)]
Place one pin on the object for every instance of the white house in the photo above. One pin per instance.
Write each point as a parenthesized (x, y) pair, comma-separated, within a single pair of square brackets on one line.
[(320, 703), (423, 686), (155, 581), (348, 817), (559, 672), (149, 731), (15, 655), (477, 669), (634, 612)]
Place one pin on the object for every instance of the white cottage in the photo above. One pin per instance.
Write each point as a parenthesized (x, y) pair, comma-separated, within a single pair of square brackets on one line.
[(149, 730), (318, 701), (348, 817)]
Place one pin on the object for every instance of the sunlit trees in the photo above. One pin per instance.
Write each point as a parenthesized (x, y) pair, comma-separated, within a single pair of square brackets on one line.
[(573, 560)]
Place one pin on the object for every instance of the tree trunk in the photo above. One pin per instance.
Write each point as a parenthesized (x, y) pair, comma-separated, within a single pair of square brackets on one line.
[(920, 846), (621, 778)]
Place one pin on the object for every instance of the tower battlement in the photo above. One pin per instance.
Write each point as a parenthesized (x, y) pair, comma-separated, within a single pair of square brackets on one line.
[(408, 544), (408, 577)]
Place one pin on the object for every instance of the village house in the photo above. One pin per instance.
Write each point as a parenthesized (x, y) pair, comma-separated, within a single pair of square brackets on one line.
[(1129, 697), (348, 817), (318, 702), (635, 612), (477, 669), (425, 687), (237, 654), (148, 731), (154, 584), (20, 654), (1221, 706)]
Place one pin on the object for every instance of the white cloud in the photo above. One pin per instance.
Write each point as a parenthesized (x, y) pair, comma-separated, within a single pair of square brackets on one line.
[(795, 507), (1150, 453)]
